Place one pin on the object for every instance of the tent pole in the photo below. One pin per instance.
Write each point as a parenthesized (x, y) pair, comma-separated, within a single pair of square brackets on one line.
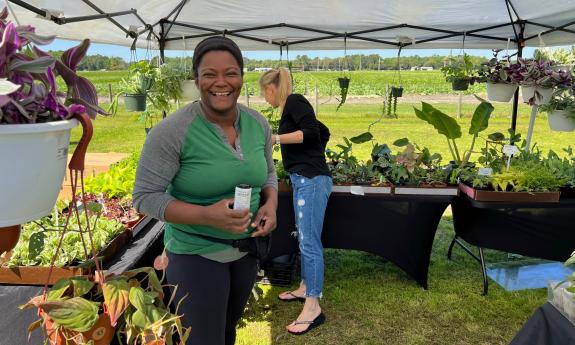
[(520, 45)]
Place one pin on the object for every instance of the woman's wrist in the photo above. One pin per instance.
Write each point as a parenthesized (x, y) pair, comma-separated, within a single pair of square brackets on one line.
[(277, 139)]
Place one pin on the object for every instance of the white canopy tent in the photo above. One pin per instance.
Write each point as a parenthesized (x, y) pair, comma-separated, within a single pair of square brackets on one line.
[(307, 25)]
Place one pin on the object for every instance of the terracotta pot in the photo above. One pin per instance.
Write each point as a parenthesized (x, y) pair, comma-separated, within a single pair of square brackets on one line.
[(101, 334), (9, 237)]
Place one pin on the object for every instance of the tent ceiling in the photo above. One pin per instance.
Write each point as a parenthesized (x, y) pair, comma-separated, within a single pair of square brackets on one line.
[(430, 24)]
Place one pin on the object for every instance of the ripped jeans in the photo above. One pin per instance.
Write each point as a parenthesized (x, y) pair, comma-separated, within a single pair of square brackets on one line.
[(310, 196)]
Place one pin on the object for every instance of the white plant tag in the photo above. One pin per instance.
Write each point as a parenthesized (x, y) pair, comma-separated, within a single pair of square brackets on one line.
[(356, 190), (485, 172), (510, 150)]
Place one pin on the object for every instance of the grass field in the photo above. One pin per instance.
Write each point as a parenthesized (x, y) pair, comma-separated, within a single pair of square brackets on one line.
[(368, 300), (362, 82)]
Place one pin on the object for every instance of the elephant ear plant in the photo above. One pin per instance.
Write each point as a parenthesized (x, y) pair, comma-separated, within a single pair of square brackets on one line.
[(28, 92), (448, 126)]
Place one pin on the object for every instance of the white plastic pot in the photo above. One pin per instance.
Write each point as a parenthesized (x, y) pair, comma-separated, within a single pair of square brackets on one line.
[(500, 92), (561, 121), (190, 91), (543, 94), (33, 160)]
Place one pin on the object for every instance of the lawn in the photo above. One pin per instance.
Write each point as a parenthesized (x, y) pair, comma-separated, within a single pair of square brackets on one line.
[(368, 300)]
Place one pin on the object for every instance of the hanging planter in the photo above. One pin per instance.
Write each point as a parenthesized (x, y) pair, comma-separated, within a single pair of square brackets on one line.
[(397, 91), (537, 95), (343, 82), (561, 121), (460, 84), (500, 92), (33, 160), (190, 91), (135, 101)]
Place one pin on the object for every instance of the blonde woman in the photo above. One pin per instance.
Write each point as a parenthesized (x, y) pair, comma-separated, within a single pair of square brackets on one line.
[(302, 138)]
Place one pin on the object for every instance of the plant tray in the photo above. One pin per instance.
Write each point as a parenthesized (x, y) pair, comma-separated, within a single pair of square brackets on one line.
[(38, 275), (427, 191), (484, 195), (361, 190)]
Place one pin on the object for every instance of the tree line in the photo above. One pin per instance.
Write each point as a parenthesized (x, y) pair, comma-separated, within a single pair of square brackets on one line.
[(305, 63), (354, 62)]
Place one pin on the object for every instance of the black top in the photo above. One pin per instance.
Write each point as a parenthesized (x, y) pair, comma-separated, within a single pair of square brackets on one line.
[(307, 158)]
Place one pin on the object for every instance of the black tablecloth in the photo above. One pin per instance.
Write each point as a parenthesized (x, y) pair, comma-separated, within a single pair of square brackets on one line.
[(546, 327), (541, 230), (399, 228), (146, 245)]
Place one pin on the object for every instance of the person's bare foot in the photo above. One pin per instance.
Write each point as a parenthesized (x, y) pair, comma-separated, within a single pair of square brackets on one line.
[(311, 310), (297, 294)]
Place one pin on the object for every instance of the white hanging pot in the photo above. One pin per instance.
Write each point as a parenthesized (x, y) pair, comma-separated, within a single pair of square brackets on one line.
[(499, 92), (190, 91), (539, 95), (561, 121), (33, 160)]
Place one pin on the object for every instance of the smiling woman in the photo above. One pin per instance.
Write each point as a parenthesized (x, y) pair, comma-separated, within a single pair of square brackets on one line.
[(187, 175)]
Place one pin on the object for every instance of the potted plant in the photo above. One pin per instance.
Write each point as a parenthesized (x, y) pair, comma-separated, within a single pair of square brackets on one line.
[(537, 79), (392, 101), (499, 84), (561, 110), (459, 72), (35, 121), (141, 78), (343, 88), (94, 309), (190, 91)]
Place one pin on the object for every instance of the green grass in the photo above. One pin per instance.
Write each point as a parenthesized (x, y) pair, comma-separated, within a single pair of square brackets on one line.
[(369, 301)]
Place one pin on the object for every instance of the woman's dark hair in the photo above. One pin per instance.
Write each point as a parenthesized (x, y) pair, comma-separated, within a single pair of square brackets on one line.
[(216, 43)]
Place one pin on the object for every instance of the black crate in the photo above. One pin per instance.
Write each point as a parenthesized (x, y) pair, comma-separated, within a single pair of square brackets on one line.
[(280, 271)]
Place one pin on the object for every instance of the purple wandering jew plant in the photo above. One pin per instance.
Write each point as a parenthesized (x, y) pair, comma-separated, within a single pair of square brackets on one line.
[(28, 92), (541, 73)]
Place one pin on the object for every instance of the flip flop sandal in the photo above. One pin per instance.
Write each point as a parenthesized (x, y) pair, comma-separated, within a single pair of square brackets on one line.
[(312, 324), (295, 297)]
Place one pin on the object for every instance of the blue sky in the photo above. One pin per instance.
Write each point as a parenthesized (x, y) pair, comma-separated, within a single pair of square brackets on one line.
[(124, 52)]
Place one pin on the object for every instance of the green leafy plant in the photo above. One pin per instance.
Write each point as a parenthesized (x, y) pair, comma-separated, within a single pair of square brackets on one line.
[(526, 176), (118, 181), (562, 99), (39, 240), (492, 154), (448, 126), (133, 302), (459, 69), (562, 168)]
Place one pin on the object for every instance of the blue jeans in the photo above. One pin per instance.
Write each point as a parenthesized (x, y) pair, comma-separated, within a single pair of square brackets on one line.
[(310, 200)]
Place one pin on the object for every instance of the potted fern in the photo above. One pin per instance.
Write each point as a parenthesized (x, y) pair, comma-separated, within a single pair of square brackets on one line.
[(35, 121)]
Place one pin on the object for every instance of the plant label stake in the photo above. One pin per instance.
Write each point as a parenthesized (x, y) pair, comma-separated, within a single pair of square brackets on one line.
[(485, 172), (509, 151)]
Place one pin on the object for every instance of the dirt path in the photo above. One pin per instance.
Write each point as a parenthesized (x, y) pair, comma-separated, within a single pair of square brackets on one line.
[(439, 98)]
